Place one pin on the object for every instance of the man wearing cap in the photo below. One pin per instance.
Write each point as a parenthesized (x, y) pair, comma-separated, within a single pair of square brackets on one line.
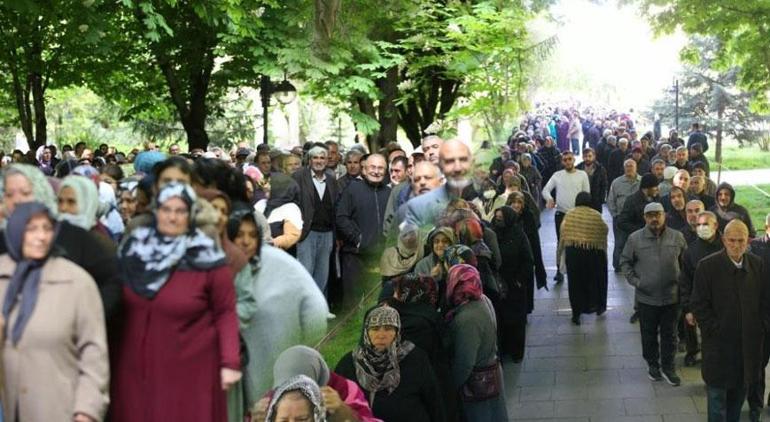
[(240, 157), (730, 302), (651, 263), (642, 164)]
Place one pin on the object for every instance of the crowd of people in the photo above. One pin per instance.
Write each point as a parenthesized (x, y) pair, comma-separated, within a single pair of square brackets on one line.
[(192, 288)]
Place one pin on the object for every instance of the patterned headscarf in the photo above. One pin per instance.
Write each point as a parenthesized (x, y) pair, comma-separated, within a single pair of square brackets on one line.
[(305, 386), (459, 254), (470, 233), (379, 370), (413, 288), (463, 286), (147, 258)]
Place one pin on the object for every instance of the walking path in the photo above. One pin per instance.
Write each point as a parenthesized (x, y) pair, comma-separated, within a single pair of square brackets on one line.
[(593, 372), (744, 177)]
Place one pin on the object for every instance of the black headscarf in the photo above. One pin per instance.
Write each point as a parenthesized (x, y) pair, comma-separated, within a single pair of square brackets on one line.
[(505, 229), (25, 281), (583, 199), (283, 190)]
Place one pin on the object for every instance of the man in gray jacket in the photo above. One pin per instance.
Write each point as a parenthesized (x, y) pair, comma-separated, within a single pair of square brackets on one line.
[(651, 263), (620, 189)]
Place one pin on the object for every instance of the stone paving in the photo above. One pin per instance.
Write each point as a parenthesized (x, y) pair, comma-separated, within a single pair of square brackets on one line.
[(593, 372)]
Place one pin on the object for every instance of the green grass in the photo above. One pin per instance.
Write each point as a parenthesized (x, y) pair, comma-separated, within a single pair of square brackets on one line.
[(756, 202), (348, 324), (736, 158)]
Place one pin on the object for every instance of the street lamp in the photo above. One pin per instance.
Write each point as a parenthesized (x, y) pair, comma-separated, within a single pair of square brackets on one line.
[(283, 91)]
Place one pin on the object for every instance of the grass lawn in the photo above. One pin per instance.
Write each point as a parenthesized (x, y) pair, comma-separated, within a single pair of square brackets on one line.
[(756, 202), (735, 158), (346, 328)]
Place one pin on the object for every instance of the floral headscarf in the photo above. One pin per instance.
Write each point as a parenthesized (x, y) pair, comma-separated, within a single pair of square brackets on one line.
[(379, 370), (147, 258), (463, 286)]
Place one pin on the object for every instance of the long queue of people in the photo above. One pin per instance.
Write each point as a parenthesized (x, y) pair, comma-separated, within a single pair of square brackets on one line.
[(191, 289)]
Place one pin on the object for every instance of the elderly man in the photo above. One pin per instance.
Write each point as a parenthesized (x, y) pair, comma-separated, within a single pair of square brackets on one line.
[(727, 210), (761, 247), (707, 243), (430, 147), (682, 180), (650, 262), (620, 189), (360, 215), (730, 302), (352, 168), (568, 182), (425, 178), (692, 209), (318, 197), (616, 160), (456, 162)]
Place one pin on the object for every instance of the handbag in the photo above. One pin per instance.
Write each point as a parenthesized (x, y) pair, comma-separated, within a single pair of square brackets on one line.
[(484, 383)]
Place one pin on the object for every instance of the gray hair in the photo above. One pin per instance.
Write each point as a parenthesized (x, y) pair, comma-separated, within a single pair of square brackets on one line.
[(623, 141), (317, 151)]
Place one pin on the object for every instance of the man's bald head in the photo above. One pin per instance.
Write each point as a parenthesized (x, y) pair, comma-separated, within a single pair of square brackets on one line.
[(456, 161), (736, 239)]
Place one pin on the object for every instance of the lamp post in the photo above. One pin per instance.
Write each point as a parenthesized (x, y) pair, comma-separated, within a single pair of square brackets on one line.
[(284, 92)]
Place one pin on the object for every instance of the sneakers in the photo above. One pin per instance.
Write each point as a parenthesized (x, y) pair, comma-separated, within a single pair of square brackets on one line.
[(654, 374), (672, 378)]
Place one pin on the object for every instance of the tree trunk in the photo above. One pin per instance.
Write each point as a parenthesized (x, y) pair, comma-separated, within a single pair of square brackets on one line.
[(386, 109), (41, 123)]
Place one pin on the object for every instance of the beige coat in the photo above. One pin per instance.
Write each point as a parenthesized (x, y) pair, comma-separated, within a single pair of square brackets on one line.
[(60, 365)]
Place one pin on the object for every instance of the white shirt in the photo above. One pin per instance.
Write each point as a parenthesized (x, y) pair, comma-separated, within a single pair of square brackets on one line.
[(568, 186), (320, 184)]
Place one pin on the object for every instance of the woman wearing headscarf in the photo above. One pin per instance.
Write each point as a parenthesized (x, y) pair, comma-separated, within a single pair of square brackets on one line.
[(526, 220), (583, 245), (179, 348), (54, 327), (401, 258), (516, 273), (298, 399), (476, 373), (512, 184), (342, 398), (24, 183), (282, 212), (396, 376), (217, 204), (290, 308), (470, 232), (78, 201), (433, 264)]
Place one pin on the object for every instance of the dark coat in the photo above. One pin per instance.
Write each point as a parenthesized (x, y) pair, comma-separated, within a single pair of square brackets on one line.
[(599, 185), (417, 397), (551, 157), (307, 195), (731, 306), (732, 211), (421, 324), (631, 218), (761, 248), (360, 214), (696, 251), (615, 163), (97, 256), (698, 137)]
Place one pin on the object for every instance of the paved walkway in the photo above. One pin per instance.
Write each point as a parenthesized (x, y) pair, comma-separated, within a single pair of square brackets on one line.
[(744, 177), (593, 372)]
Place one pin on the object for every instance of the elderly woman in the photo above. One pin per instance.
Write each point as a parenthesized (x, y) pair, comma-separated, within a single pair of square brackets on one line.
[(583, 245), (78, 200), (179, 349), (396, 376), (24, 183), (476, 372), (526, 219), (342, 398), (282, 212), (55, 345), (516, 273), (298, 399), (295, 301), (401, 258)]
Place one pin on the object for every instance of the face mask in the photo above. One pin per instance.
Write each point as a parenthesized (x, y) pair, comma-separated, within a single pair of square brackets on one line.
[(704, 232), (489, 194)]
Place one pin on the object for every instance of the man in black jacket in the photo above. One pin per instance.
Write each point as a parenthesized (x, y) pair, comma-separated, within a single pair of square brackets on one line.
[(616, 159), (631, 218), (597, 178), (707, 243), (730, 301), (761, 248), (360, 214), (318, 196)]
